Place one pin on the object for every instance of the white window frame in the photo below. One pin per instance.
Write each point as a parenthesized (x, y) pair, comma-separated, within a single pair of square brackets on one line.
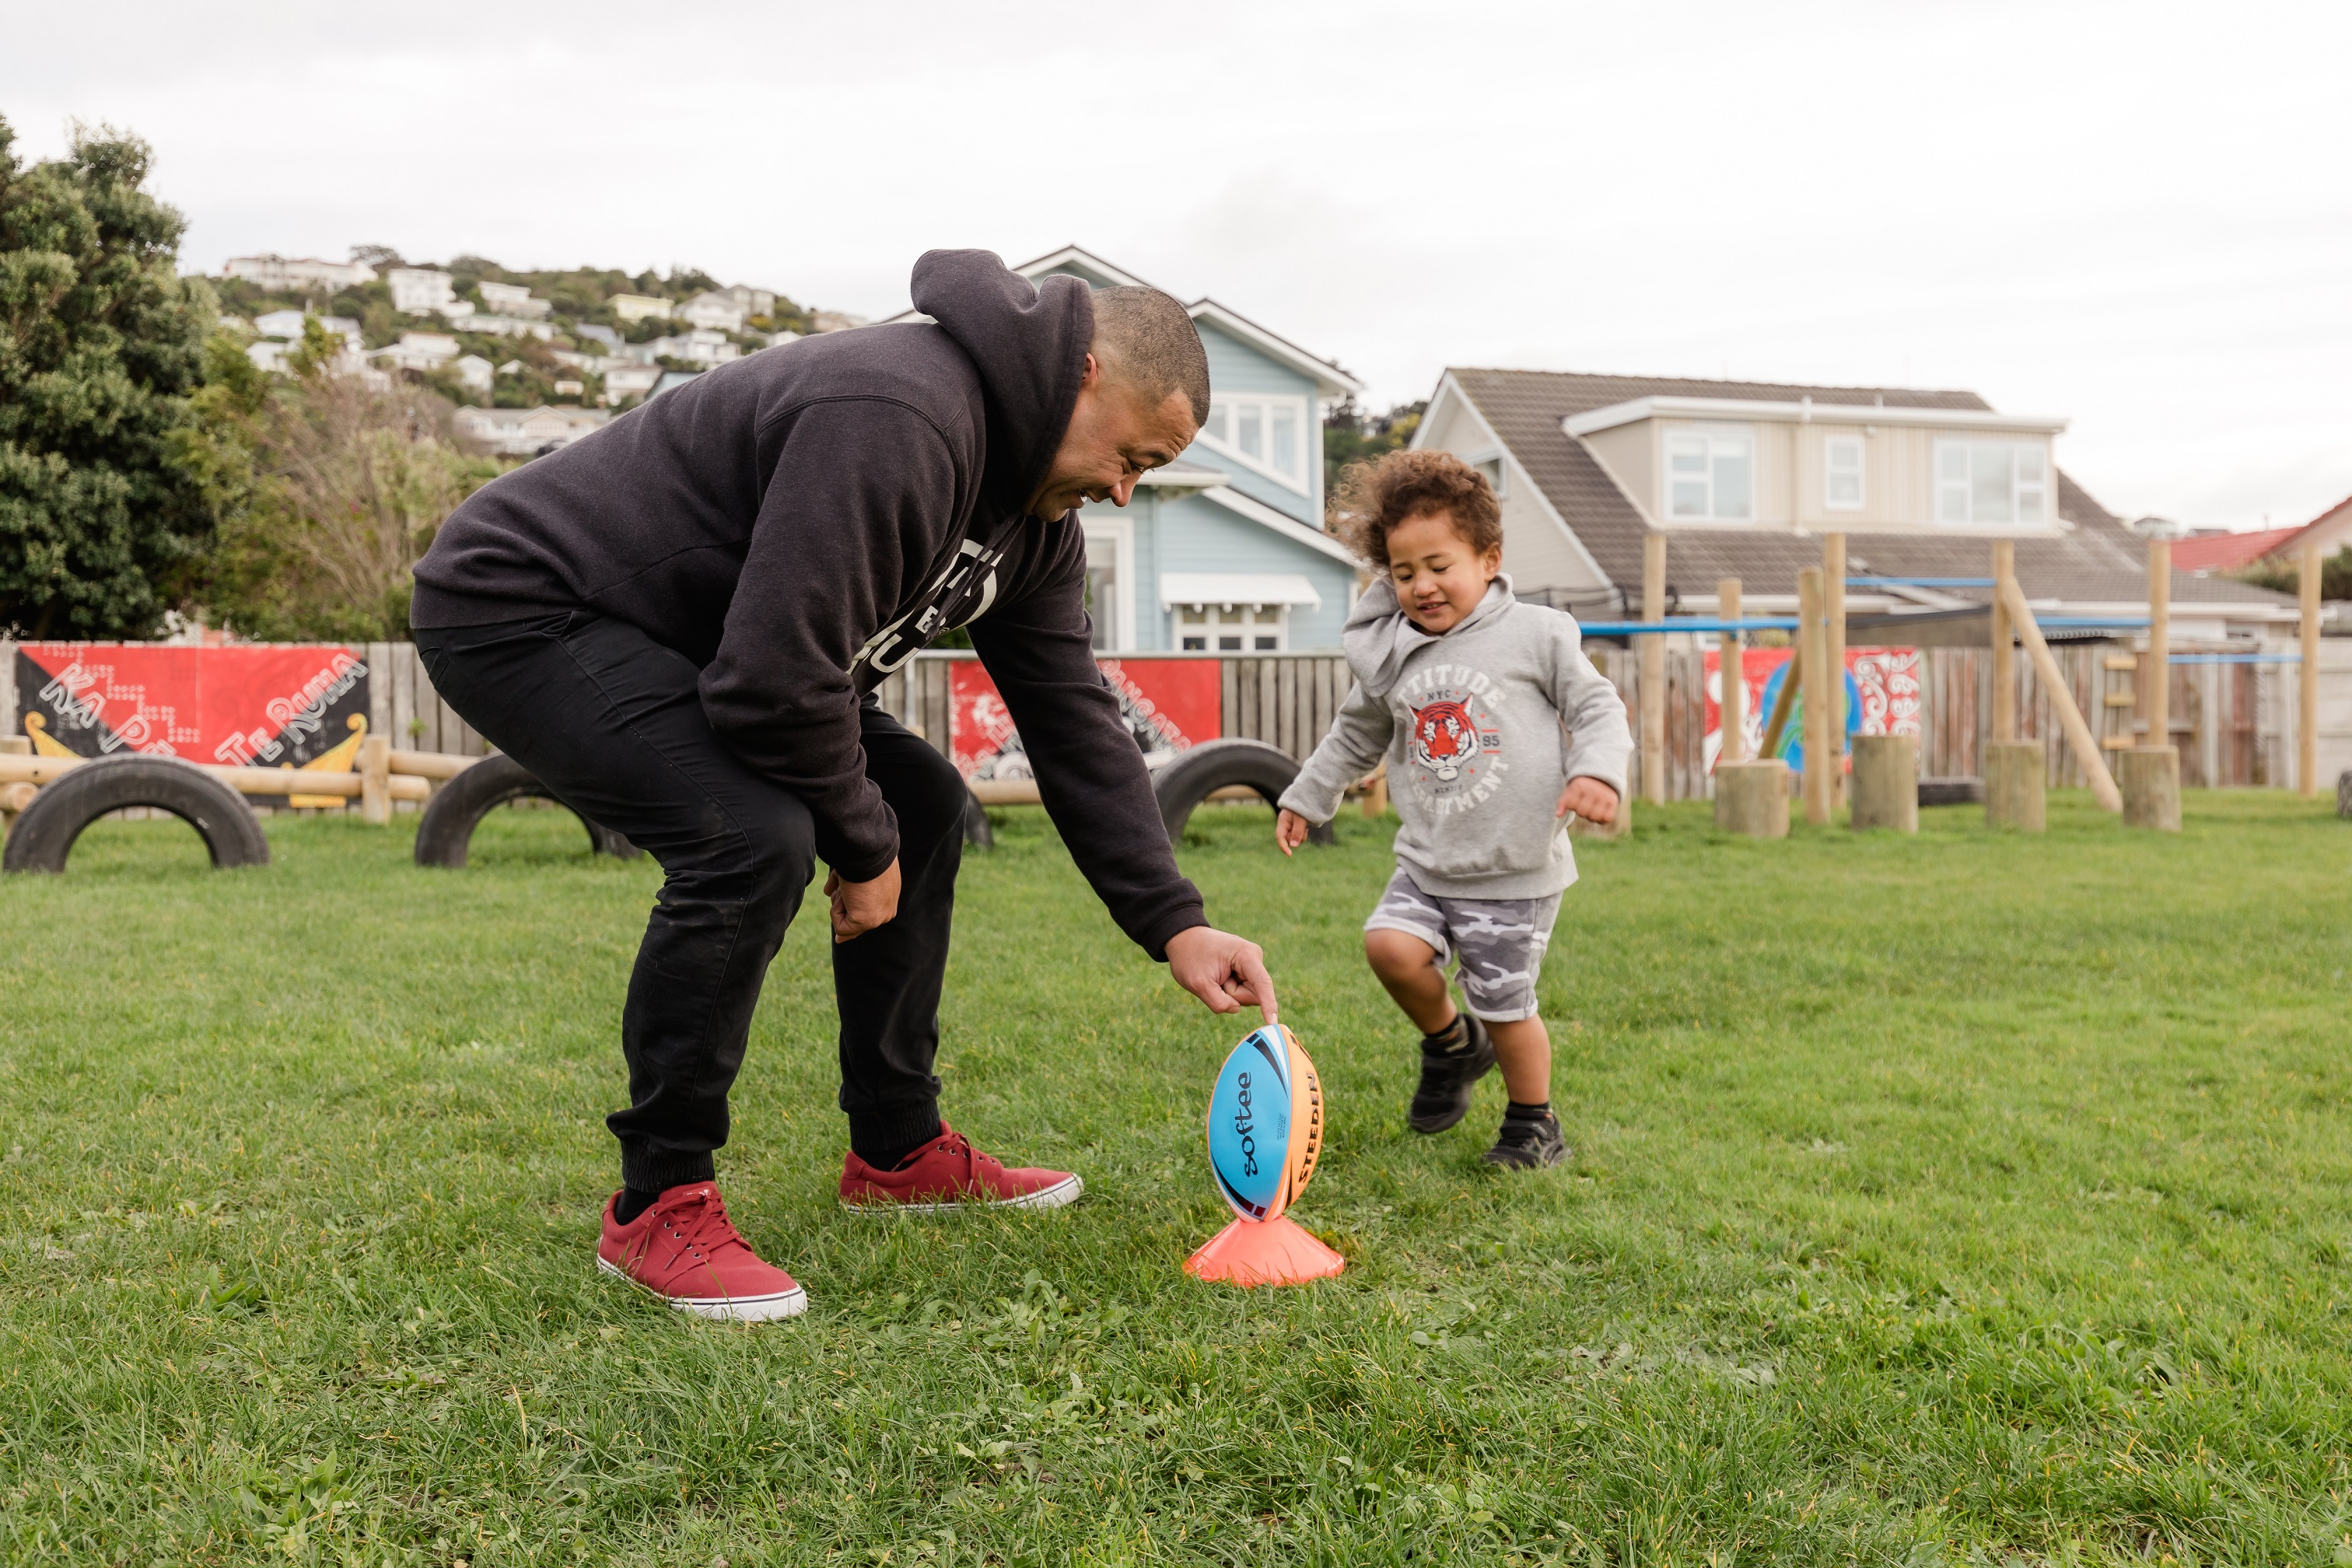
[(1711, 436), (1495, 464), (1222, 433), (2021, 490), (1830, 469), (1120, 533), (1230, 620)]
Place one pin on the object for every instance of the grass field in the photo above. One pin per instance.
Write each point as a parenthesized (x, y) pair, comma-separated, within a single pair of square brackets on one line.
[(1965, 1198)]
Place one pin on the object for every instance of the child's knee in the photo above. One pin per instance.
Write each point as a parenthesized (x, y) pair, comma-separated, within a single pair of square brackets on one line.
[(1397, 953)]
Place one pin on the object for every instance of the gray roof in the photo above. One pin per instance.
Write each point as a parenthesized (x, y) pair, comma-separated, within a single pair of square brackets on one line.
[(2099, 560)]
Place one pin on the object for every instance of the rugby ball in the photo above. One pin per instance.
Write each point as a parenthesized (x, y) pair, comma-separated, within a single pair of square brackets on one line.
[(1265, 1123)]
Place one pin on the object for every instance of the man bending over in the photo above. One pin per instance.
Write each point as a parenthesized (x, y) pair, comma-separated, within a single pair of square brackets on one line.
[(677, 624)]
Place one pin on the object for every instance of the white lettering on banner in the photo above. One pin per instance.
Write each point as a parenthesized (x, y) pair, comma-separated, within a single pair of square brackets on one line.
[(303, 713)]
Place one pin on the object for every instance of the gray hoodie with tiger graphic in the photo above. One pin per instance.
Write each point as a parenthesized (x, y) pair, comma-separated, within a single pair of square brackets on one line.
[(1483, 727)]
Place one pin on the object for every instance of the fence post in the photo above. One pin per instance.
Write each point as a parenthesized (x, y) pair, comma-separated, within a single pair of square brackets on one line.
[(2306, 730), (375, 780), (2004, 667), (2150, 774), (1730, 681), (1654, 670), (1833, 643), (1813, 650), (2016, 773)]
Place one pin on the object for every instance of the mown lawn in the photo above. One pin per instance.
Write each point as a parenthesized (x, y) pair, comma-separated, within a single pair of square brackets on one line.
[(1965, 1198)]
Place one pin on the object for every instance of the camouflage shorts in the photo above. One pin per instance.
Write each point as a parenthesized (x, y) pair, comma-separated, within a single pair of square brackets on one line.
[(1500, 943)]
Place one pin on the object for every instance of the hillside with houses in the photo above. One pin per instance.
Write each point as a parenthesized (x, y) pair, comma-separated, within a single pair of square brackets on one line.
[(532, 359)]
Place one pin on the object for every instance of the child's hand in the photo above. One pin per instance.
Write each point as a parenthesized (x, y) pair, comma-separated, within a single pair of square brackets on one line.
[(1290, 830), (1590, 799)]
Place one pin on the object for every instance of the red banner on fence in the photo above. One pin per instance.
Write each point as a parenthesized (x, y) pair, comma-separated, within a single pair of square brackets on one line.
[(297, 707), (1882, 698), (1169, 704)]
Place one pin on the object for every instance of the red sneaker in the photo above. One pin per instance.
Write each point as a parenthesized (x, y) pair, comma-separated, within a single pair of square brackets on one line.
[(686, 1251), (947, 1174)]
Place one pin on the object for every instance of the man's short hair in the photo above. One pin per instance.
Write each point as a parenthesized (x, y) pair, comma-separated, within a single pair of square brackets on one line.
[(1148, 340)]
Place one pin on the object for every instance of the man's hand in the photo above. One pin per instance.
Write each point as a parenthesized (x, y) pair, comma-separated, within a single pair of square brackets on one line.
[(1290, 830), (1590, 799), (859, 907), (1223, 971)]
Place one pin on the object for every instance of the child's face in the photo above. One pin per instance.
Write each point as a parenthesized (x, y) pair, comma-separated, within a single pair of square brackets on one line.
[(1439, 578)]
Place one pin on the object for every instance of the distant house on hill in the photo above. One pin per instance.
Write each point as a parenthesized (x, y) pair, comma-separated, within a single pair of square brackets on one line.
[(422, 291), (284, 275), (625, 378), (523, 432), (514, 299), (637, 307), (1743, 478), (714, 312), (288, 324), (420, 352), (1223, 550)]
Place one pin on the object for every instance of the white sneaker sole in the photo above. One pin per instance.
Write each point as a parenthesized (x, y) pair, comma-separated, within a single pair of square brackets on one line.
[(1061, 1194), (789, 1303)]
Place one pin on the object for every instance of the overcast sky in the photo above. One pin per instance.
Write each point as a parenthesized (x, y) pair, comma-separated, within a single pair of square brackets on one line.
[(2139, 216)]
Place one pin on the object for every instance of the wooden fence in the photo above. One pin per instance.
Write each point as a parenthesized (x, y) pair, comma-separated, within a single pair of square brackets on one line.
[(2234, 723)]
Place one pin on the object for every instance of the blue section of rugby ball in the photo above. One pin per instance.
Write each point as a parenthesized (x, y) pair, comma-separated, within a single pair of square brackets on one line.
[(1249, 1123)]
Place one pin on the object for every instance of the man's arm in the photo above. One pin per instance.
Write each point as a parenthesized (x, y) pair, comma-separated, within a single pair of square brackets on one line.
[(864, 490), (1039, 649)]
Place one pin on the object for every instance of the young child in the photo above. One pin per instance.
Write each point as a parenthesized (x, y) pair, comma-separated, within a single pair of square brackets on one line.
[(1496, 727)]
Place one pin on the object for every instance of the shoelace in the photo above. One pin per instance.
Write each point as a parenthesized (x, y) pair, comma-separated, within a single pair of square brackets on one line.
[(958, 1144), (699, 1223)]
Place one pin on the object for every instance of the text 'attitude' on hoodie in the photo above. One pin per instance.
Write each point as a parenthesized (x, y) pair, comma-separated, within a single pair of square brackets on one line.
[(801, 521), (1483, 727)]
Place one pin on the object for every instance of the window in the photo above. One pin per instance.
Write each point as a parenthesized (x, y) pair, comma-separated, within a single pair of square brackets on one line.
[(1231, 629), (1841, 473), (1991, 481), (1102, 589), (1498, 474), (1269, 434), (1711, 476)]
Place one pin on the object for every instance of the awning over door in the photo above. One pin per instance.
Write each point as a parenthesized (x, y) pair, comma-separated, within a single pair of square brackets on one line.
[(1236, 588)]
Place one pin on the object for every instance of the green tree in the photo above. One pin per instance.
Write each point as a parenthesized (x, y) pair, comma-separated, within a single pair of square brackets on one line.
[(2286, 576), (342, 488), (1351, 436), (101, 344)]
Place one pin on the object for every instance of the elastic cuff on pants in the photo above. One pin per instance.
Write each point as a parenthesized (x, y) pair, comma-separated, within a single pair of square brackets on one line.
[(883, 1128), (646, 1172)]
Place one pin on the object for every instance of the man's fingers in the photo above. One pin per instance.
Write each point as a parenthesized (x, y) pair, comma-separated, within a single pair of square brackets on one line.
[(1251, 965)]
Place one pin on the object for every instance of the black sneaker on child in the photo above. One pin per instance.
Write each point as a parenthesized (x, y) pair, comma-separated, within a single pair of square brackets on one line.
[(1452, 1060), (1530, 1140)]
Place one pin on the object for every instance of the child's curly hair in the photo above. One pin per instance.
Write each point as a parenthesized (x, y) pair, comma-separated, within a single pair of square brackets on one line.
[(1375, 497)]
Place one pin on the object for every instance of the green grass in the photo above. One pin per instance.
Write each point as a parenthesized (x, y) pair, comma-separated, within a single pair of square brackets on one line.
[(1963, 1198)]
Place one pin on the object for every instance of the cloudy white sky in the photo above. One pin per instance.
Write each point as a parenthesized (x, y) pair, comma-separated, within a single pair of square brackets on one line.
[(2137, 214)]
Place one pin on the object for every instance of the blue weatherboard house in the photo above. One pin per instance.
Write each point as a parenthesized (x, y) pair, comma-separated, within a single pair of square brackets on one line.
[(1224, 549)]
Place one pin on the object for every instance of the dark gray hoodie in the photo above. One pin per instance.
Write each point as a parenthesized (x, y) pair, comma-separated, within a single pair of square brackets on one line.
[(800, 522)]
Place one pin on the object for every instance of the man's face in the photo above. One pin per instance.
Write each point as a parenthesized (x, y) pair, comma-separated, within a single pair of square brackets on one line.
[(1114, 437)]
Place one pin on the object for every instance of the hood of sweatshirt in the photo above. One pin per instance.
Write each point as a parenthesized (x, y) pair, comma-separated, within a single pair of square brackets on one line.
[(1029, 342), (1379, 636)]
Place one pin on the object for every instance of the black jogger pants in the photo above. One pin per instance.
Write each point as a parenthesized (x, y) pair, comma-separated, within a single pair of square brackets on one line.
[(612, 722)]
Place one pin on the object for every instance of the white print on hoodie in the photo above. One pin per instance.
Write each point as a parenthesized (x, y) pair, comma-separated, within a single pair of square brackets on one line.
[(1483, 727)]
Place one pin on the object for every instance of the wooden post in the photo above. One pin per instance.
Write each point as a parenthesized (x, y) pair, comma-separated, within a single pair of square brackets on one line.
[(375, 780), (1887, 782), (2053, 681), (1833, 642), (2004, 661), (1752, 798), (2307, 732), (2156, 689), (2151, 787), (1654, 670), (2015, 777), (1731, 680), (15, 798), (1777, 724), (1814, 644)]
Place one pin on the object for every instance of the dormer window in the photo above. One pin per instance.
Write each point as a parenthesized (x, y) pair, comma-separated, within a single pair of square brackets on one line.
[(1711, 476), (1841, 473), (1991, 481), (1268, 434)]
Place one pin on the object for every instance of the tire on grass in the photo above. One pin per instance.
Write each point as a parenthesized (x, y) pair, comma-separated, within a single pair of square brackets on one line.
[(46, 830), (978, 831), (1214, 765), (445, 833)]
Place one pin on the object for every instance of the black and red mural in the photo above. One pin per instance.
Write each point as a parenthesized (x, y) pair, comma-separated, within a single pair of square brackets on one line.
[(297, 707)]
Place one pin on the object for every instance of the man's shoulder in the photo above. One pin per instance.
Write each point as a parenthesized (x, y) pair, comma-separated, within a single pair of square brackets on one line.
[(911, 364)]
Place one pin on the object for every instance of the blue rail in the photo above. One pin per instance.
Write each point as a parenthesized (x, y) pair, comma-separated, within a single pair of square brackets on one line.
[(1687, 624)]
